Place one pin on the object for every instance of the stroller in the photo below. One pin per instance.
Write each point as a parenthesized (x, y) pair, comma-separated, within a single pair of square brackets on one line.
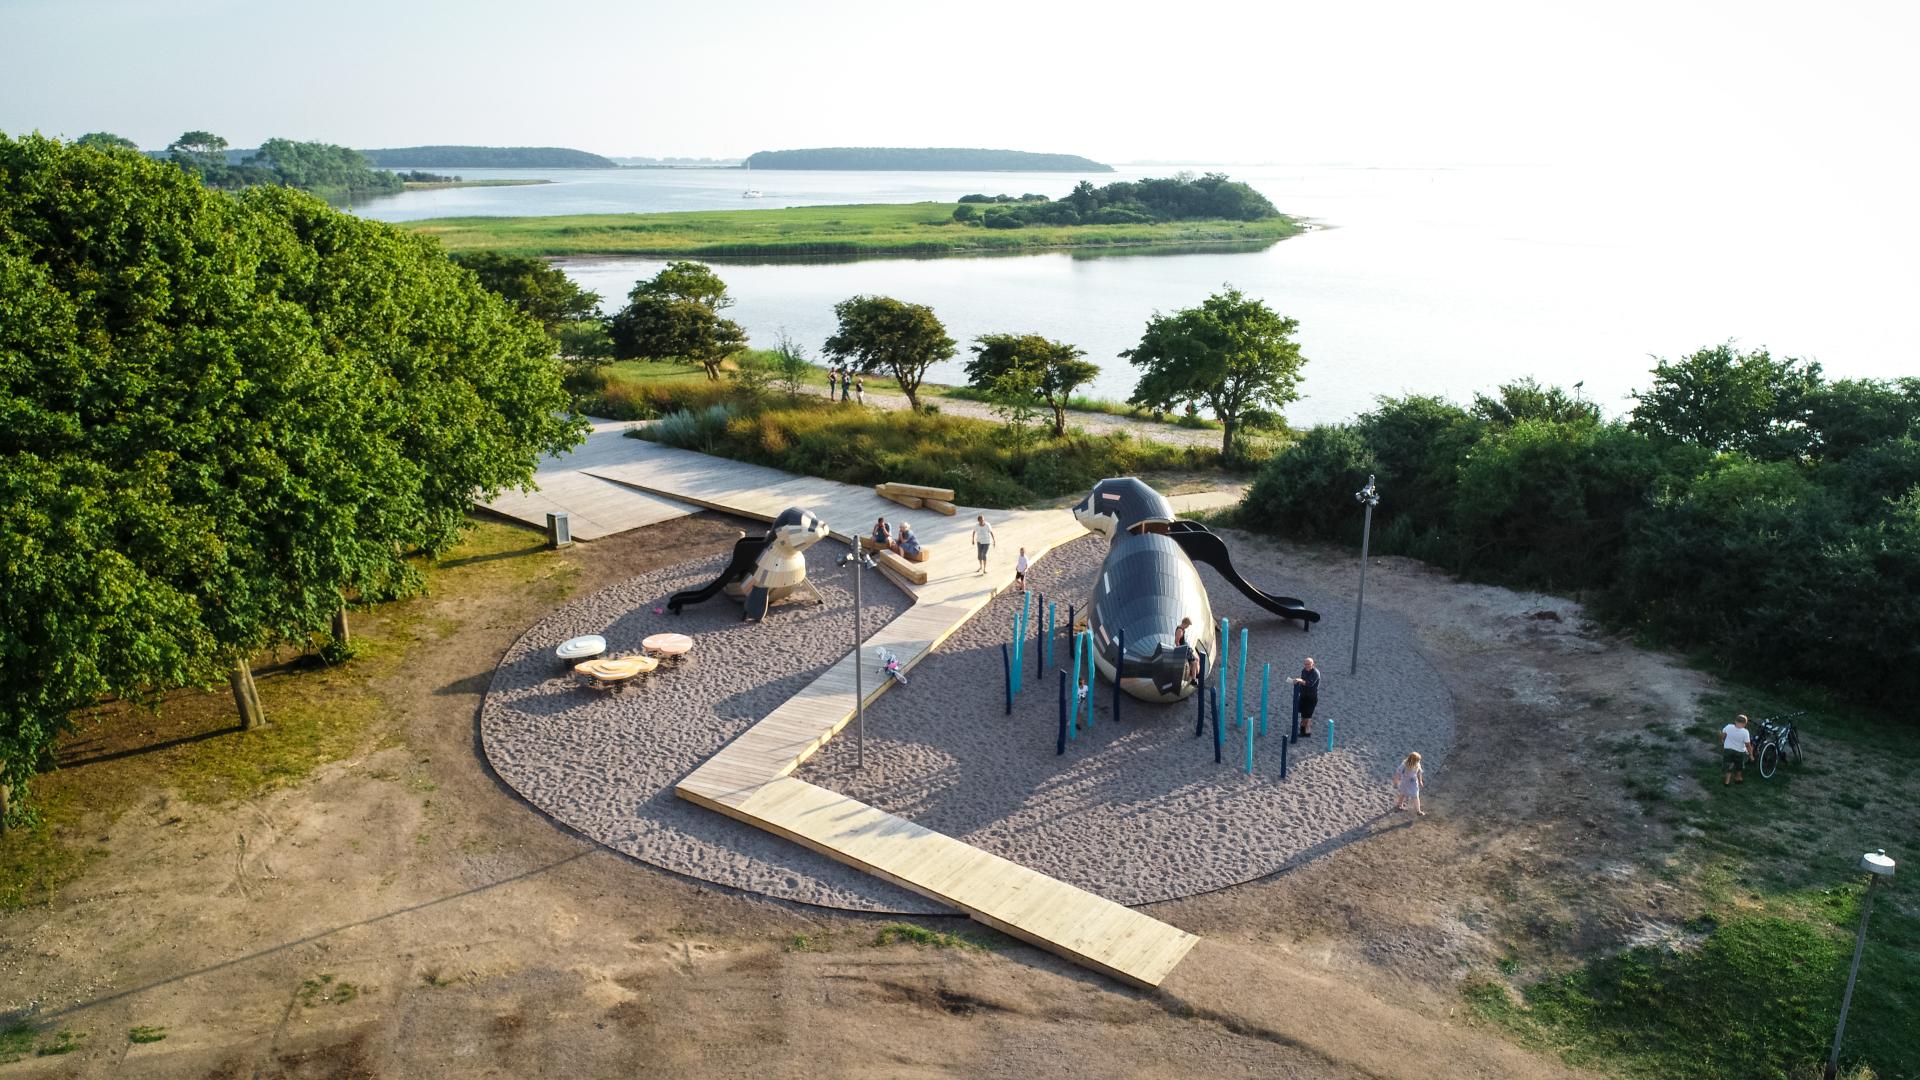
[(891, 665)]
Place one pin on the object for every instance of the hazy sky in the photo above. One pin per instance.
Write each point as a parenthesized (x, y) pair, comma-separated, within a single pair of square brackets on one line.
[(1769, 84)]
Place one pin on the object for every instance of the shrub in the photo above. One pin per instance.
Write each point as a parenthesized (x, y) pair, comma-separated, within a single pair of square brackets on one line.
[(1307, 489), (1002, 219), (966, 212)]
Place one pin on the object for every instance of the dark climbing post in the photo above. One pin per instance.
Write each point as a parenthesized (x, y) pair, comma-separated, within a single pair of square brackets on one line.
[(1265, 670), (1119, 663), (1200, 699), (1039, 646), (1061, 746), (1284, 743), (1293, 731), (1006, 669), (1215, 694)]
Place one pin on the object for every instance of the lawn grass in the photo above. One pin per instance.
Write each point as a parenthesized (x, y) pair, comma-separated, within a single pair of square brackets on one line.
[(1749, 987), (910, 934), (118, 754), (924, 228)]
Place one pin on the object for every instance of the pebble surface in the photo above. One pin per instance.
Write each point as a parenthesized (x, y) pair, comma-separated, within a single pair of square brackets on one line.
[(1135, 811)]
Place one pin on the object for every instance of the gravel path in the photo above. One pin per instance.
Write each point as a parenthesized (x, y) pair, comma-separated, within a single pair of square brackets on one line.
[(1097, 423), (1136, 811)]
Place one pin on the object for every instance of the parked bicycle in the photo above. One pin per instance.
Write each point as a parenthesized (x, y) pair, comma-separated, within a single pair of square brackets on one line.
[(1778, 738)]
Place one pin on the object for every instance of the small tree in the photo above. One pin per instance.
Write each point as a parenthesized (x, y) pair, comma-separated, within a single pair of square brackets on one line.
[(881, 335), (1013, 395), (1057, 369), (1526, 399), (1234, 355), (1726, 400), (753, 373), (676, 315), (105, 140), (791, 364), (538, 288)]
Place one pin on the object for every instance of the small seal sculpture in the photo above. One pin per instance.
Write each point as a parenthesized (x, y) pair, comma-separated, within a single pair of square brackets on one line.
[(765, 570)]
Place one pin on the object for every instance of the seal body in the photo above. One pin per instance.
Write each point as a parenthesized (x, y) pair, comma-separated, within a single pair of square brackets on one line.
[(1147, 584)]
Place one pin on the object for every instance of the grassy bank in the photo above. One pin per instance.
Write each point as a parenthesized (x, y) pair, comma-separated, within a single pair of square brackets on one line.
[(1746, 983), (872, 229), (863, 445)]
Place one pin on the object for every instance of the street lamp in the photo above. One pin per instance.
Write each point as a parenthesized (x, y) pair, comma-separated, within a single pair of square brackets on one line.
[(861, 561), (1878, 865), (1368, 497)]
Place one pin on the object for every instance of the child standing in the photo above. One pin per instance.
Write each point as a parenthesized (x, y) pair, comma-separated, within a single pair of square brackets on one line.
[(1408, 779), (1020, 570)]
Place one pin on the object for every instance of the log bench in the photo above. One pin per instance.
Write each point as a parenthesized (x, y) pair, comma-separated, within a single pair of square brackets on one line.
[(914, 570)]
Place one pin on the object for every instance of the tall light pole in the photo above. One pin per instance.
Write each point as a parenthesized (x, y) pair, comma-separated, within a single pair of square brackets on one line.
[(1368, 497), (1878, 865), (861, 561)]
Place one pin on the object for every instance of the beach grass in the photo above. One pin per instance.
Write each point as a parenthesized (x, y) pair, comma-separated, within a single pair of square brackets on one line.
[(924, 228)]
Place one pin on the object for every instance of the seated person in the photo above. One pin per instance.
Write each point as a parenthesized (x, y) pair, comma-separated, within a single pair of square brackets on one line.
[(909, 545), (882, 535), (1193, 655)]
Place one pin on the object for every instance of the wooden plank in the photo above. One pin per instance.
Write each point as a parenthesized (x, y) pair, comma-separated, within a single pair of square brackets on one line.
[(940, 506), (893, 487)]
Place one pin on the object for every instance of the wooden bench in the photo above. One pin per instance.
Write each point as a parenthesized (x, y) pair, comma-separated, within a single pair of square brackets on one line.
[(914, 571)]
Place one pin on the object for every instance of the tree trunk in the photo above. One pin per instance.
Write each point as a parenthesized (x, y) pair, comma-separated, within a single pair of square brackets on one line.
[(6, 795), (1059, 420), (245, 696), (1227, 433), (341, 631), (913, 395)]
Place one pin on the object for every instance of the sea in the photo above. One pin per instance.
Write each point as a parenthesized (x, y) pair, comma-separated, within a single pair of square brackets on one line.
[(1431, 279)]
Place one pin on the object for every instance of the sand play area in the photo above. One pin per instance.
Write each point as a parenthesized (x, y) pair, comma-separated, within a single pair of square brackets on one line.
[(1136, 811)]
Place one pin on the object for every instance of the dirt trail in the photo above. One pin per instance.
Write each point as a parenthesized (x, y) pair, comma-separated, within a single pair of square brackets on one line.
[(402, 914)]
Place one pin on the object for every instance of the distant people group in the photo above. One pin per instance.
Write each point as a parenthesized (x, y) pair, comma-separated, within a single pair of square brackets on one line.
[(844, 385)]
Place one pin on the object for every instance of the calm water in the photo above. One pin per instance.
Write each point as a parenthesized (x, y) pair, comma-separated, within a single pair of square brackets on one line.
[(1428, 280)]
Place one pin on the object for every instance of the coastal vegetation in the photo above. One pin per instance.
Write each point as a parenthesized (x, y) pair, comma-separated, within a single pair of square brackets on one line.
[(1747, 509), (881, 335), (1181, 197), (1234, 355), (675, 315), (930, 159), (822, 231), (227, 418), (326, 170), (1030, 366), (486, 157)]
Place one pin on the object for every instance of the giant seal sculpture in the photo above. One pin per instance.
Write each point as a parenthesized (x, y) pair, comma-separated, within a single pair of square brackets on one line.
[(1148, 583), (765, 570)]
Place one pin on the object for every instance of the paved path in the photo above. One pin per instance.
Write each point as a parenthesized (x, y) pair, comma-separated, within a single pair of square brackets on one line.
[(750, 778), (1097, 423)]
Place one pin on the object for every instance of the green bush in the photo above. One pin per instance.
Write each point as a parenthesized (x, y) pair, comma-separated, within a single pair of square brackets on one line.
[(1307, 489)]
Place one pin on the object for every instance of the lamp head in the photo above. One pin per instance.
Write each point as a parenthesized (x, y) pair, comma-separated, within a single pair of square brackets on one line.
[(1877, 862)]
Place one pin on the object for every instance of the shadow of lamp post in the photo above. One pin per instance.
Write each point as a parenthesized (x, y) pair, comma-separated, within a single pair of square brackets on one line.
[(1877, 865)]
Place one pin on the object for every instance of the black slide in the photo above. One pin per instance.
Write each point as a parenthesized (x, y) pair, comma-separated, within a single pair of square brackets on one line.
[(746, 550), (1202, 546)]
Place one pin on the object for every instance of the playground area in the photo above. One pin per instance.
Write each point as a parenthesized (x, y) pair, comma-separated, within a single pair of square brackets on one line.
[(1136, 811)]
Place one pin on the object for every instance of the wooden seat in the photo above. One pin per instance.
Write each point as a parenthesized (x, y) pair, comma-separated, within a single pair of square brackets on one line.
[(612, 674), (911, 571)]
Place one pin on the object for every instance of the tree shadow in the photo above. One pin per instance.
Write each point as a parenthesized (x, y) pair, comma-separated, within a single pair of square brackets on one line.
[(69, 757)]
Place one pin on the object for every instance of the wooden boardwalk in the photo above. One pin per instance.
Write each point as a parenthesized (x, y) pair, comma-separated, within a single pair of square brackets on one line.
[(595, 507), (751, 778)]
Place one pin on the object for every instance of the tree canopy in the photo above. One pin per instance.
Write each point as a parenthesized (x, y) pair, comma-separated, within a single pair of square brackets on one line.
[(1181, 197), (881, 335), (105, 140), (1234, 355), (218, 415), (1051, 370), (675, 315), (1724, 399), (539, 289), (322, 168)]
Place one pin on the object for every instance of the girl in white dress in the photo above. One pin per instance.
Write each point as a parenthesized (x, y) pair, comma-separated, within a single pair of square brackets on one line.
[(1408, 779)]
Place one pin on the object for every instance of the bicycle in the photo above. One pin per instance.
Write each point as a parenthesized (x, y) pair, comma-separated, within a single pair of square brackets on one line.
[(1779, 737)]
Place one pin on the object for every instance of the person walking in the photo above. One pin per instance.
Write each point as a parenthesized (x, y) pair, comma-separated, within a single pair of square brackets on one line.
[(1736, 749), (859, 391), (1408, 779), (982, 539), (1020, 566), (833, 377), (1309, 683)]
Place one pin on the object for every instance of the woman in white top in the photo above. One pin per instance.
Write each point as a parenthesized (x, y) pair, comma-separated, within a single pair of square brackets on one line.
[(982, 539)]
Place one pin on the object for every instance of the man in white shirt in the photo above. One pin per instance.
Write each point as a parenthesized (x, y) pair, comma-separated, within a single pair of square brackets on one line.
[(982, 539), (1736, 749)]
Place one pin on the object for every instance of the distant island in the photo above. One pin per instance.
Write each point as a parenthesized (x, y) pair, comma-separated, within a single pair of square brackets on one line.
[(930, 159), (488, 157)]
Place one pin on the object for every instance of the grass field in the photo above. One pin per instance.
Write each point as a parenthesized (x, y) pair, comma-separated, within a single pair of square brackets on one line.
[(873, 229), (1745, 983)]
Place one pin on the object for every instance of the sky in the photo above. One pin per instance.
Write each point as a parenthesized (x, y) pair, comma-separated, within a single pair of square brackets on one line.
[(1823, 88)]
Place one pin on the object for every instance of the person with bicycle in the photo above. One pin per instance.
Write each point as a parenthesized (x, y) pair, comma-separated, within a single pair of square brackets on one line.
[(1736, 749)]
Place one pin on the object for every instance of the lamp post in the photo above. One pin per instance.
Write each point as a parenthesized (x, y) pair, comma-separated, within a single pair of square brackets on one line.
[(861, 561), (1877, 865), (1367, 497)]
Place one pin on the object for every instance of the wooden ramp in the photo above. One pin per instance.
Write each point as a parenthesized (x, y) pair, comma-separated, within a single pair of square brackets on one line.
[(1087, 929), (750, 778), (595, 507)]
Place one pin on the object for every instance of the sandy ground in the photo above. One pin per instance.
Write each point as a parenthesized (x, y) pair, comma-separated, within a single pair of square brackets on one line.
[(484, 940)]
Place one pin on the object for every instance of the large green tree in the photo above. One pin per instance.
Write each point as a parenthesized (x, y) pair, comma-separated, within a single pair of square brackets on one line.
[(881, 335), (221, 415), (535, 286), (675, 315), (1234, 355), (1723, 399), (105, 140), (1055, 369)]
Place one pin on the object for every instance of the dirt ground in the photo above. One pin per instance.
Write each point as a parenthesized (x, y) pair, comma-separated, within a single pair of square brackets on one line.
[(403, 914)]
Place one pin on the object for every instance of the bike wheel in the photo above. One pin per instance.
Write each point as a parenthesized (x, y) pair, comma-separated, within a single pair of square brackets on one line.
[(1769, 760), (1793, 747)]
